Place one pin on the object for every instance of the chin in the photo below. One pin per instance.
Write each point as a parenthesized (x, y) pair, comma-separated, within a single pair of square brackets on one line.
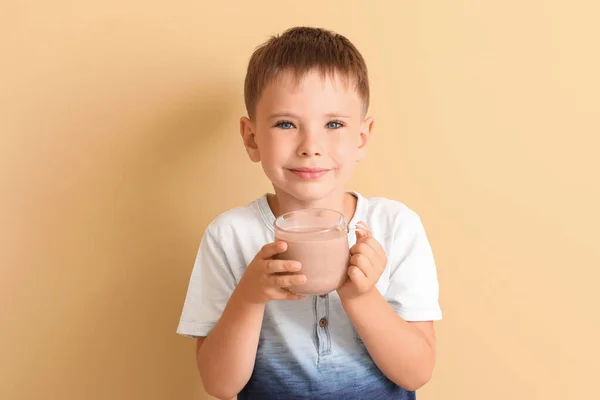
[(309, 193)]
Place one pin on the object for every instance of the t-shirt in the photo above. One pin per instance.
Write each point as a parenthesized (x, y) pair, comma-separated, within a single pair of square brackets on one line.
[(309, 349)]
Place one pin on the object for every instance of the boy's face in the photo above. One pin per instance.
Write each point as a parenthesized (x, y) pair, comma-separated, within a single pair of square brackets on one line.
[(308, 134)]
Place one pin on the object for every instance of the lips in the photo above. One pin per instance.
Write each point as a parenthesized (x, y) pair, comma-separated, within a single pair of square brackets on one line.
[(309, 173)]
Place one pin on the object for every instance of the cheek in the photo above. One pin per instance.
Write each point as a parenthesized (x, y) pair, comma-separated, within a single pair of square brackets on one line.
[(274, 149), (344, 150)]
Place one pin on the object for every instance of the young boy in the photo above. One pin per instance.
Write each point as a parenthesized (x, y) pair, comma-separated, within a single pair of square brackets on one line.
[(307, 94)]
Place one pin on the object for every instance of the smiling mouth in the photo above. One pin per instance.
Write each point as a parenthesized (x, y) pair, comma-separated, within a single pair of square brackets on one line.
[(309, 173)]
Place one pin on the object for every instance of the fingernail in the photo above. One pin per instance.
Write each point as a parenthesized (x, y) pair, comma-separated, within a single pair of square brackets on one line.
[(295, 266)]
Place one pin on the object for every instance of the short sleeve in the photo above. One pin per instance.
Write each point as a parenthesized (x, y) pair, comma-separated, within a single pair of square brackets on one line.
[(210, 287), (413, 289)]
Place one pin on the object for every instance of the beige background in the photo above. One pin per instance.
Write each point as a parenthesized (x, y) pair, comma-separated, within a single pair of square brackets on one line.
[(119, 144)]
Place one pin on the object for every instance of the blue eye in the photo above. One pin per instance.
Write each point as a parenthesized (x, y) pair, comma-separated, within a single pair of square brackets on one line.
[(284, 125), (334, 125)]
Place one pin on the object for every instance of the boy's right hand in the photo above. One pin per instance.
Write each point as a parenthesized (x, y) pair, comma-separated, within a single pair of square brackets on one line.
[(267, 279)]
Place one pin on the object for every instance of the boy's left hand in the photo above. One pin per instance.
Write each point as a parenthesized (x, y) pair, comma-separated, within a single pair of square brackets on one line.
[(367, 262)]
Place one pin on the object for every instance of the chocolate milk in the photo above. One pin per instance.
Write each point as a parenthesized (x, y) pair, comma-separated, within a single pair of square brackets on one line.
[(324, 256)]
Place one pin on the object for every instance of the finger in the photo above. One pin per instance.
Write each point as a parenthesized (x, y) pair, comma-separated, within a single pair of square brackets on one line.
[(378, 250), (292, 296), (278, 293), (364, 225), (284, 281), (362, 231), (271, 249), (358, 278), (361, 235), (363, 263), (278, 266), (356, 275), (373, 243), (364, 248)]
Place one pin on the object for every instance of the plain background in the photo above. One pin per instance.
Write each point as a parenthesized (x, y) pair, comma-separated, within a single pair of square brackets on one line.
[(119, 124)]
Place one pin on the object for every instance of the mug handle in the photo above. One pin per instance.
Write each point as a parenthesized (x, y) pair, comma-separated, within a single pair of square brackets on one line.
[(360, 227)]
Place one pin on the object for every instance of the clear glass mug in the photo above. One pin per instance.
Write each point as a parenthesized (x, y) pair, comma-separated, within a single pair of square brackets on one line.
[(318, 239)]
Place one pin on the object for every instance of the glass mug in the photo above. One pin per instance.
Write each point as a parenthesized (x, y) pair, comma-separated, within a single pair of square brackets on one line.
[(318, 239)]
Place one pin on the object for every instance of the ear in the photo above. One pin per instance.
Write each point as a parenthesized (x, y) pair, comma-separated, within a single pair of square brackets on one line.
[(366, 130), (248, 136)]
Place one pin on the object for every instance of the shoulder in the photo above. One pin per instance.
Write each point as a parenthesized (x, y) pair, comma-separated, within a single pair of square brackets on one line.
[(392, 213), (245, 217)]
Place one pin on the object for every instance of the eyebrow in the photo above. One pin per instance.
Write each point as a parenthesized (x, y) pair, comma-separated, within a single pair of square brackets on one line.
[(337, 115), (283, 114), (292, 115)]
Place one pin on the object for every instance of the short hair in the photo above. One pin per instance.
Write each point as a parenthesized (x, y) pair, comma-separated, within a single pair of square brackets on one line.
[(299, 50)]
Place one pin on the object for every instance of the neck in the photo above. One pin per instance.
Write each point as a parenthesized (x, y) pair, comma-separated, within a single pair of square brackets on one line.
[(341, 201)]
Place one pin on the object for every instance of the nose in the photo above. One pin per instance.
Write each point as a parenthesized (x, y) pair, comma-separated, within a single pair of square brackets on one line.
[(309, 145)]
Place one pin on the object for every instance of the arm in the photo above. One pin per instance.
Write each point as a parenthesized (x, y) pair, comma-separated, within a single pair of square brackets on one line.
[(403, 351), (226, 356)]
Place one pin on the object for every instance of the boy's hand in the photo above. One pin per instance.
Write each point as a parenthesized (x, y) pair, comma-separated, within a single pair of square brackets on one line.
[(367, 262), (266, 279)]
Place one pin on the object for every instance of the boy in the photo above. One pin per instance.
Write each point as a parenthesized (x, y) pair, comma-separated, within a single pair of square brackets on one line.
[(307, 93)]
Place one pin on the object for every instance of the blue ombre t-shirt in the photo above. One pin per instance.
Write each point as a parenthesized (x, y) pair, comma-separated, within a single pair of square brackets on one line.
[(309, 349)]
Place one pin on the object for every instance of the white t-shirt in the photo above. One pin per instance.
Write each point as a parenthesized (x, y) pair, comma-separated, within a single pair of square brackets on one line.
[(297, 356)]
